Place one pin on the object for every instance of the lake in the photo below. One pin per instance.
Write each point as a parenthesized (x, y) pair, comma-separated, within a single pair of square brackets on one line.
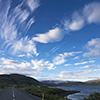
[(85, 91)]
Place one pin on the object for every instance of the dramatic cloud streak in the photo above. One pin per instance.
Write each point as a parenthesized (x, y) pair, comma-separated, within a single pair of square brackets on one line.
[(74, 75), (89, 14), (51, 36), (24, 45), (8, 63), (76, 24), (93, 48), (41, 64), (60, 59), (33, 4), (82, 63), (12, 21), (92, 12)]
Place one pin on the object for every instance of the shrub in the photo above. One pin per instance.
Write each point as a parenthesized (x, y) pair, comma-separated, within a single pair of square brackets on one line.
[(95, 96)]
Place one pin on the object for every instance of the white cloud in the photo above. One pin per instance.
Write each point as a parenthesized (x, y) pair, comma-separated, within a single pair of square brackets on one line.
[(25, 45), (30, 55), (67, 64), (68, 54), (8, 63), (13, 66), (41, 64), (21, 55), (89, 14), (85, 62), (59, 60), (91, 61), (50, 66), (8, 29), (74, 75), (87, 66), (51, 36), (38, 65), (76, 24), (24, 65), (18, 70), (10, 22), (30, 22), (19, 14), (92, 12), (54, 49), (82, 63), (14, 22), (93, 48), (77, 57), (9, 66), (33, 4)]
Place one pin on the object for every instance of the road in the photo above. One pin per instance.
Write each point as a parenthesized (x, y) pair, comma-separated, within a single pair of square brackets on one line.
[(16, 94)]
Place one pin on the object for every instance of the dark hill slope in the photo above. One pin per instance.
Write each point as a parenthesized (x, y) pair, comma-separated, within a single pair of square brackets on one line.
[(16, 79), (62, 83), (94, 82)]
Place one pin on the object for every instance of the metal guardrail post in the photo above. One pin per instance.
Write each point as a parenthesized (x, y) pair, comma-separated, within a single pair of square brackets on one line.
[(42, 96), (41, 93)]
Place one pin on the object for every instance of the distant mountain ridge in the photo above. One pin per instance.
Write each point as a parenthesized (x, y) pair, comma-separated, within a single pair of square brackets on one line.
[(94, 82), (17, 79), (70, 83)]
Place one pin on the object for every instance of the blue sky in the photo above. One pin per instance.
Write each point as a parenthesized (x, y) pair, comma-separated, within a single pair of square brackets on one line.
[(50, 39)]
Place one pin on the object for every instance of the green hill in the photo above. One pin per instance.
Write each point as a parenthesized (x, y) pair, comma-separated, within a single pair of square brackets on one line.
[(16, 79), (33, 87)]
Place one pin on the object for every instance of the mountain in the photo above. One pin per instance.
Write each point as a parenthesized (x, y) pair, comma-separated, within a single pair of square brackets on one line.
[(60, 83), (16, 79), (94, 82), (71, 83)]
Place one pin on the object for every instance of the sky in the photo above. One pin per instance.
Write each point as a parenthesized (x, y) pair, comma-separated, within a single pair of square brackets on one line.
[(50, 39)]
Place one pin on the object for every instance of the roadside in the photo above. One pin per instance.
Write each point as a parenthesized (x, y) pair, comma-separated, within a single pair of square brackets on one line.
[(48, 93)]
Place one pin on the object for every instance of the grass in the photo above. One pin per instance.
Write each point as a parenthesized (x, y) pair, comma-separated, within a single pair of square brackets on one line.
[(49, 93)]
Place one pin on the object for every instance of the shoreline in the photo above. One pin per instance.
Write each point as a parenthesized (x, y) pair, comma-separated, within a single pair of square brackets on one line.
[(65, 94)]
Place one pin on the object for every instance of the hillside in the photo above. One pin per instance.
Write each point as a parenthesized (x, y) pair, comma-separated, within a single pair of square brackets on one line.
[(71, 83), (33, 87), (62, 83), (16, 79), (94, 82)]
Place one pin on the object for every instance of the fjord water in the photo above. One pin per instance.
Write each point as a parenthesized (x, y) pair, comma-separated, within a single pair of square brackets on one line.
[(85, 91)]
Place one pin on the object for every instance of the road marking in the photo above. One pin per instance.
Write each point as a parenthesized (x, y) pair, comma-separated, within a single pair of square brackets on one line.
[(13, 94)]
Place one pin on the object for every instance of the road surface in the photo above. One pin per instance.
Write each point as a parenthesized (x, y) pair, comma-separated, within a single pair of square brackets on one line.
[(15, 94)]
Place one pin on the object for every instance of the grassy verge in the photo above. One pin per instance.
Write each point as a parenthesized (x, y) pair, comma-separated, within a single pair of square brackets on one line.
[(49, 93), (4, 87)]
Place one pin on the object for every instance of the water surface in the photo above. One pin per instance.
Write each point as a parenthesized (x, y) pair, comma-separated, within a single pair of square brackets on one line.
[(85, 91)]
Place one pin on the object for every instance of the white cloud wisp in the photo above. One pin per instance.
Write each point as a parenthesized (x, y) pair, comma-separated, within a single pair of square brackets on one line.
[(89, 14), (51, 36), (14, 22), (93, 48)]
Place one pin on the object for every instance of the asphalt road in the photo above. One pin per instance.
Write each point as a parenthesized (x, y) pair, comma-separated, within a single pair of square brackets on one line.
[(16, 94)]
